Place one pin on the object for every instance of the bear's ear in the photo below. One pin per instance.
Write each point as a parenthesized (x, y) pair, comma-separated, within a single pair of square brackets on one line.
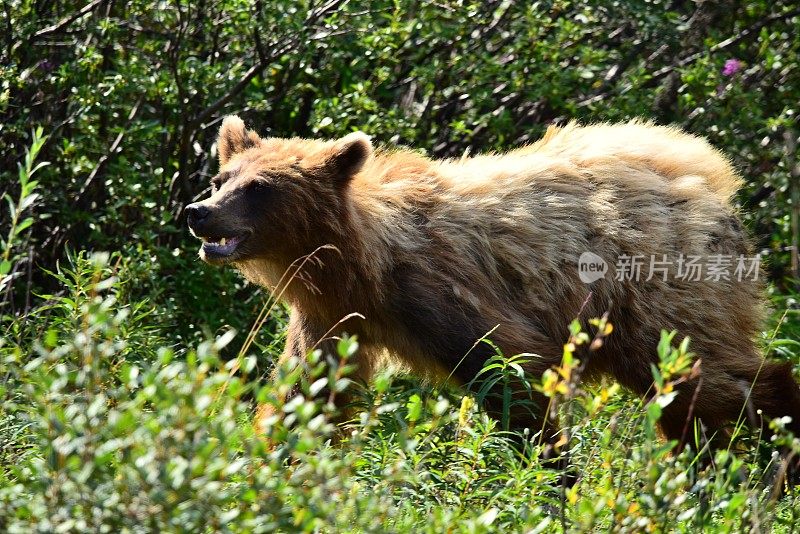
[(234, 138), (348, 156)]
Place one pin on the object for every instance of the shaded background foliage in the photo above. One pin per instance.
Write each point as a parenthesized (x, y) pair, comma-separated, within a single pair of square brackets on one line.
[(131, 94)]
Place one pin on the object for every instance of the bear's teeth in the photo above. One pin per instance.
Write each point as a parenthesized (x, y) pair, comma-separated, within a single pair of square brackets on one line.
[(222, 242)]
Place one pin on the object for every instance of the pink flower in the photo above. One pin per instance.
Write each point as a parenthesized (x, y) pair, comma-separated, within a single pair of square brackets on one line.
[(732, 66)]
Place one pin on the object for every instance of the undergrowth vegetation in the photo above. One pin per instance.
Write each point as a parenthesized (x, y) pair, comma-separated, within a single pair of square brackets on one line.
[(107, 428)]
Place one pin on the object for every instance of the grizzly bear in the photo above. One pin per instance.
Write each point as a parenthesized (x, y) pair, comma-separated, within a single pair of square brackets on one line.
[(424, 258)]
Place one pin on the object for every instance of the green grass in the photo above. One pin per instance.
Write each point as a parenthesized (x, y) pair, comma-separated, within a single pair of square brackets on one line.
[(107, 426)]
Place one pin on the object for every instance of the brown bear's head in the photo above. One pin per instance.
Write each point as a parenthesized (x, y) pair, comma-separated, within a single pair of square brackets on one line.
[(274, 199)]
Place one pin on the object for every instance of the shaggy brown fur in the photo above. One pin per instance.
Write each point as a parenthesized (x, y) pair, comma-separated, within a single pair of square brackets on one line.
[(435, 254)]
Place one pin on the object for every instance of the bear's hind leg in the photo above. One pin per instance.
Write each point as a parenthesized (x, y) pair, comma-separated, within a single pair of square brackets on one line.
[(770, 392), (773, 391), (751, 394), (719, 399)]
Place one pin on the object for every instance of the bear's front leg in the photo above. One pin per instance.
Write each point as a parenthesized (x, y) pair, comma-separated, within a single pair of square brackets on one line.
[(303, 336)]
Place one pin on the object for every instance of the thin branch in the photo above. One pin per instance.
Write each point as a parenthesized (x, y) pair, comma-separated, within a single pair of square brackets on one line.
[(766, 21), (264, 61), (251, 73), (66, 21), (113, 148), (790, 138)]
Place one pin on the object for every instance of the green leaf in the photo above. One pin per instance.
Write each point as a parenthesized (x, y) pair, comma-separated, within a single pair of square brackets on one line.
[(38, 166), (23, 225), (653, 412), (12, 208), (28, 201), (414, 407)]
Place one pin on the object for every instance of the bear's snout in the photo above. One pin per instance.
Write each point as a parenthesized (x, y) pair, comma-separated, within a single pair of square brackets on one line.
[(195, 214)]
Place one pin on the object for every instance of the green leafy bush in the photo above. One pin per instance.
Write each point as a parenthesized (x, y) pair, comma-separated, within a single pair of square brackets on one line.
[(108, 432)]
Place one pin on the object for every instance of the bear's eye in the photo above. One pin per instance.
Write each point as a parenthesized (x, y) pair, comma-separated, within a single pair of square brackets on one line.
[(219, 180), (259, 186)]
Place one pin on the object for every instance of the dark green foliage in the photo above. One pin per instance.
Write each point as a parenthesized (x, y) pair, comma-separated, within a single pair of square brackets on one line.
[(131, 96)]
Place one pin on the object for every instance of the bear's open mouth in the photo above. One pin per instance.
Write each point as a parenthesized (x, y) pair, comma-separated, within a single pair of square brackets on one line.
[(221, 248)]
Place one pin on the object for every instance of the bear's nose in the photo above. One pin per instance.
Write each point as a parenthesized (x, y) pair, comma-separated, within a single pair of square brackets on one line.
[(195, 213)]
